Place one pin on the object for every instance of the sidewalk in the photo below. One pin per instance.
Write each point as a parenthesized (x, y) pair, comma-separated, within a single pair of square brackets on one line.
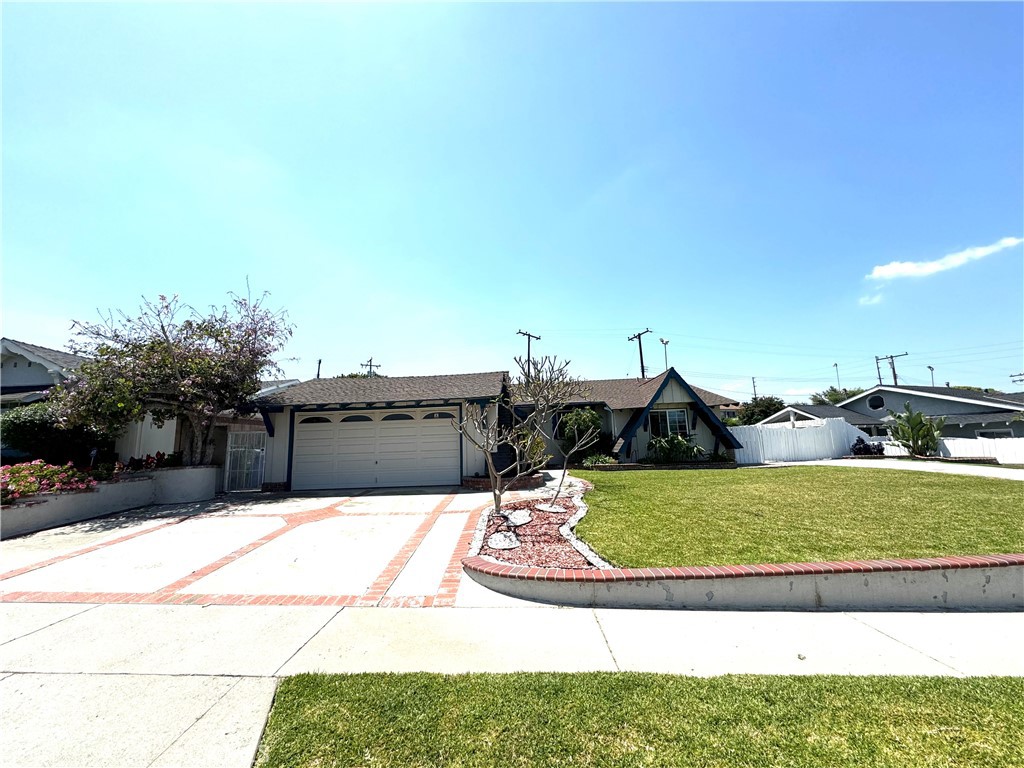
[(191, 685)]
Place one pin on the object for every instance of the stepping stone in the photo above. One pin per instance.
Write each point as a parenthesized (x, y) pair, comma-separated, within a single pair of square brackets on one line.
[(503, 540), (519, 517)]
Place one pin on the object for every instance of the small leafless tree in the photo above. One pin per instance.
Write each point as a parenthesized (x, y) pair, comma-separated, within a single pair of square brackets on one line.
[(513, 439), (575, 438)]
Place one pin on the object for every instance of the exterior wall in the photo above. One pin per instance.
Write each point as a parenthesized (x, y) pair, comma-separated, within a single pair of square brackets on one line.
[(969, 430), (19, 371), (143, 438), (929, 406), (473, 464)]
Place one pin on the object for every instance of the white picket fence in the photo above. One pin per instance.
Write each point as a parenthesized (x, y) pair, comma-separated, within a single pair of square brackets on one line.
[(830, 439)]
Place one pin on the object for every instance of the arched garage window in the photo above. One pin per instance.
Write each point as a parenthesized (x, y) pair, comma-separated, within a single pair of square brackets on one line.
[(439, 415), (315, 420), (397, 417), (359, 417)]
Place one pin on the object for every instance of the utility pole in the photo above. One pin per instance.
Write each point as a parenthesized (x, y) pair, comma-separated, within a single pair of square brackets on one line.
[(932, 372), (529, 359), (836, 366), (664, 343), (370, 366), (754, 382), (637, 338), (892, 366), (318, 368)]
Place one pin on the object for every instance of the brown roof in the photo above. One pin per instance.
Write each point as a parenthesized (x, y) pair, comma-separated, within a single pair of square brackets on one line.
[(389, 389), (637, 393)]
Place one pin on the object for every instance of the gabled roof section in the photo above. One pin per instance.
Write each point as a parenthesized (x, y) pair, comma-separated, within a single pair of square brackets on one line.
[(620, 394), (705, 414), (954, 394), (342, 390), (826, 412), (51, 358)]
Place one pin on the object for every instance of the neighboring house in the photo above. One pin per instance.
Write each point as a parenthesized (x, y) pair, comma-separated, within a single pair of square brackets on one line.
[(28, 371), (799, 416), (374, 432), (635, 410), (968, 413)]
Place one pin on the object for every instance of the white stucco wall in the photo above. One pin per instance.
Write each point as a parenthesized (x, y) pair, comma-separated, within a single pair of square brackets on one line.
[(276, 468), (143, 438)]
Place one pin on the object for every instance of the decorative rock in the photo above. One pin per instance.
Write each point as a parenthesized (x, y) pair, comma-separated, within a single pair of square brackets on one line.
[(519, 517), (551, 508), (503, 540)]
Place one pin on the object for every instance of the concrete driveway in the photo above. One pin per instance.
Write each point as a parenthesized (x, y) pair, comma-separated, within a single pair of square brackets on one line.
[(156, 638)]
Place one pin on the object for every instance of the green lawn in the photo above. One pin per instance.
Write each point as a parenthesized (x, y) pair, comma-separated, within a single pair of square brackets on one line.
[(630, 719), (793, 514)]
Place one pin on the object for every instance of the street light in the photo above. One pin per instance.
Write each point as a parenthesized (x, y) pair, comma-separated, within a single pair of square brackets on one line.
[(664, 343), (836, 366), (933, 374)]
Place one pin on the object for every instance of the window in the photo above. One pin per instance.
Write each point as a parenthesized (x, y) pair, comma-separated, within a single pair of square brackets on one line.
[(665, 423), (993, 433), (315, 420), (397, 417), (439, 415), (876, 402), (357, 418)]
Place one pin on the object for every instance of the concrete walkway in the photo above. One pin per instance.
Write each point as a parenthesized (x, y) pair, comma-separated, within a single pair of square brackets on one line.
[(156, 638)]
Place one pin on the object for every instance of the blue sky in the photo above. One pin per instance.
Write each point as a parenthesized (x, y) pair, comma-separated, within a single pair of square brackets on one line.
[(773, 188)]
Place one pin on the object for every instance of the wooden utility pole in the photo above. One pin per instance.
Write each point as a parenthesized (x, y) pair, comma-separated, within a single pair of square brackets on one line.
[(529, 358), (637, 338), (370, 365)]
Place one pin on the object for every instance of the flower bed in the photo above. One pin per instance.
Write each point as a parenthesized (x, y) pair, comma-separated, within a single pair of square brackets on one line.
[(19, 481)]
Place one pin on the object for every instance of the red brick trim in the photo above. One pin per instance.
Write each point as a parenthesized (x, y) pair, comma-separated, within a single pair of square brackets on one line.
[(676, 573)]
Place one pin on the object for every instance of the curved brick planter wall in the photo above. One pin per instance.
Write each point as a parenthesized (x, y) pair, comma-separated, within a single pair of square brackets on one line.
[(983, 583)]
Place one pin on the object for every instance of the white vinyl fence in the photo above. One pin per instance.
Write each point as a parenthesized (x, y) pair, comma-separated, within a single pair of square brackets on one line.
[(830, 439), (1006, 450)]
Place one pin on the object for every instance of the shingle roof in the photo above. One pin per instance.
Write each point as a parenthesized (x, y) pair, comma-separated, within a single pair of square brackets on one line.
[(63, 359), (994, 417), (388, 389), (620, 394), (965, 394)]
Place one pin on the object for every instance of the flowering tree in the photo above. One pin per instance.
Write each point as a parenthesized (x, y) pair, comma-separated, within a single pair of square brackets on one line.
[(173, 362)]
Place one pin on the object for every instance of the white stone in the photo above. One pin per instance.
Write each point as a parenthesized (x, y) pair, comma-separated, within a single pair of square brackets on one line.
[(503, 540), (519, 517)]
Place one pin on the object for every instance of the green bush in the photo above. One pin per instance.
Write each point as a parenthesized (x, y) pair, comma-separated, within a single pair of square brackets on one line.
[(35, 477), (916, 432), (593, 460), (575, 424), (674, 449), (34, 429)]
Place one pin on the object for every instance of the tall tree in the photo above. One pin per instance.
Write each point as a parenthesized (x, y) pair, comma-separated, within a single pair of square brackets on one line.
[(834, 395), (760, 408), (173, 362)]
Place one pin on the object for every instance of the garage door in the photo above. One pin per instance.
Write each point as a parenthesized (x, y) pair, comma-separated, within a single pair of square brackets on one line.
[(375, 449)]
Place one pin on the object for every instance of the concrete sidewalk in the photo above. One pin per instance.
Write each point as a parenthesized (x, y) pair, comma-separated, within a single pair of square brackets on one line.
[(191, 685)]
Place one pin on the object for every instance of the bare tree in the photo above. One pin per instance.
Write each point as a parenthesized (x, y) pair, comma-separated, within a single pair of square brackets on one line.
[(580, 429), (510, 431)]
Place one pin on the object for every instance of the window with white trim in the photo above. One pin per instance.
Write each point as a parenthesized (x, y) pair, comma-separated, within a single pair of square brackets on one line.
[(665, 423)]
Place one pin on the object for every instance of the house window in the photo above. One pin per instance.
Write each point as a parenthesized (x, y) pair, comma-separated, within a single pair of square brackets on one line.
[(992, 433), (876, 402), (665, 423)]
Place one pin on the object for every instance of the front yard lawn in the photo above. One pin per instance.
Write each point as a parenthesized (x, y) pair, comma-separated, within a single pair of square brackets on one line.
[(631, 719), (661, 518)]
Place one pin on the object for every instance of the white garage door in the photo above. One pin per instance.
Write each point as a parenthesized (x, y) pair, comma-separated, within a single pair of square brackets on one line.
[(341, 449)]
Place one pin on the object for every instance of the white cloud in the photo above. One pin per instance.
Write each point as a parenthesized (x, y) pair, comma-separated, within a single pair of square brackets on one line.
[(924, 268), (867, 301)]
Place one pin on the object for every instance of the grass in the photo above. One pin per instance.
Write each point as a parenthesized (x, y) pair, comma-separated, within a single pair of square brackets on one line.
[(797, 514), (631, 719)]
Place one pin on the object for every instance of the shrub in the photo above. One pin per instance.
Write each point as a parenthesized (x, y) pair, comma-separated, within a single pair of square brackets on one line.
[(593, 460), (21, 480), (673, 449), (916, 432), (575, 424), (863, 448), (35, 430)]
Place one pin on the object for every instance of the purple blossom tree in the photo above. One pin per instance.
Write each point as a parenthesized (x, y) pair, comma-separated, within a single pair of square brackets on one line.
[(173, 362)]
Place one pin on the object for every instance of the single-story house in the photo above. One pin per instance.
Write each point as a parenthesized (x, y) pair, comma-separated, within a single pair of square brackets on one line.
[(968, 413), (28, 371), (396, 431), (799, 416)]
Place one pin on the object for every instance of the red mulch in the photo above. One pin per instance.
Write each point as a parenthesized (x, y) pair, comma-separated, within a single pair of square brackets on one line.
[(542, 545)]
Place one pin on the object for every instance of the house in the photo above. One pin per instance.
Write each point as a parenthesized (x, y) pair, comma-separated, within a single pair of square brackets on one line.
[(968, 413), (635, 410), (799, 416), (374, 432), (28, 371)]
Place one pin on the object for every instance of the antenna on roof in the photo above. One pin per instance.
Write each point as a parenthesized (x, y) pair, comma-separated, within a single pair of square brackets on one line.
[(638, 340), (370, 365), (318, 368)]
